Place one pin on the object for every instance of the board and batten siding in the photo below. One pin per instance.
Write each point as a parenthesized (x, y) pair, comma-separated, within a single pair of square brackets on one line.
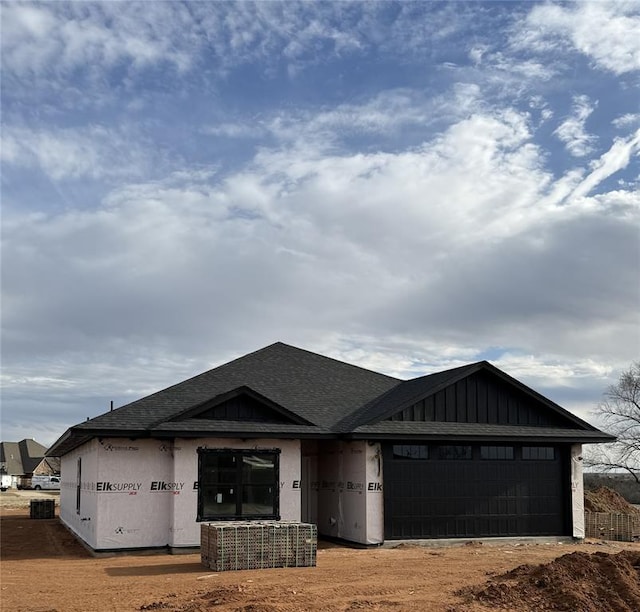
[(479, 398)]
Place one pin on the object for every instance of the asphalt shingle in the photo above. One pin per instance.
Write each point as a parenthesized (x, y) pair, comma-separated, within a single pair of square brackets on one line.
[(324, 397)]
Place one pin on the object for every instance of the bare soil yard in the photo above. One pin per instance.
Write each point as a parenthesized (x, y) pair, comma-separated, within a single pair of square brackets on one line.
[(44, 569)]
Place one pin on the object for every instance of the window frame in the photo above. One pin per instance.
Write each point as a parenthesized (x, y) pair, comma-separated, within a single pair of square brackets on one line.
[(538, 452), (453, 452), (486, 450), (411, 452), (239, 483), (78, 485)]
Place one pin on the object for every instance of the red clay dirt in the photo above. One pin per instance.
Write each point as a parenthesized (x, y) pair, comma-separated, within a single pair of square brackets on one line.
[(604, 499), (579, 581), (44, 569)]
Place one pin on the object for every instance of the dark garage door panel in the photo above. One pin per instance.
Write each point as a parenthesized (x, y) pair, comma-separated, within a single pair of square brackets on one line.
[(473, 498)]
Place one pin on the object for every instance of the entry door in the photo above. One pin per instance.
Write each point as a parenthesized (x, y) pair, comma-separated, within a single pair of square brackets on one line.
[(308, 490)]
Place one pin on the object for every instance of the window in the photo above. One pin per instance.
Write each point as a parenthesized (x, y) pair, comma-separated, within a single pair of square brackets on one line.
[(78, 485), (501, 453), (538, 453), (410, 451), (238, 484), (453, 452)]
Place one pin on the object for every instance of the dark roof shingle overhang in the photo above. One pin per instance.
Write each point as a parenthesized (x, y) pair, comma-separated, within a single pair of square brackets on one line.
[(209, 428), (318, 397), (478, 432)]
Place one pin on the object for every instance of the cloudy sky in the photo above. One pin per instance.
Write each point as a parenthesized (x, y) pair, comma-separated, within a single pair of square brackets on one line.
[(404, 186)]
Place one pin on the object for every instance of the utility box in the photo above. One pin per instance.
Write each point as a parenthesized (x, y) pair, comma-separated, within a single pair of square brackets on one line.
[(42, 509), (257, 545)]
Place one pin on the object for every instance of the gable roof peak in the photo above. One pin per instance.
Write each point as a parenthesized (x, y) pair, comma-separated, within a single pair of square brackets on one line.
[(322, 395)]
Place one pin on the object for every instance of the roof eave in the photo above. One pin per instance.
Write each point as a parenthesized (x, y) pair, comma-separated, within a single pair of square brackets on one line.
[(480, 438), (243, 435), (77, 436), (73, 438), (53, 449)]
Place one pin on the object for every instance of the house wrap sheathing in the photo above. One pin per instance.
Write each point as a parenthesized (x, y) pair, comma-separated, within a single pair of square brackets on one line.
[(577, 492), (344, 490), (143, 493)]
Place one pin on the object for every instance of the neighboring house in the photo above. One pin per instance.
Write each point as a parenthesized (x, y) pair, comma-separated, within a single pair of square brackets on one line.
[(19, 461), (286, 434)]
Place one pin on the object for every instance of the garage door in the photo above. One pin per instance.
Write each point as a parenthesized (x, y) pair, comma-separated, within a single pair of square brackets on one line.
[(458, 491)]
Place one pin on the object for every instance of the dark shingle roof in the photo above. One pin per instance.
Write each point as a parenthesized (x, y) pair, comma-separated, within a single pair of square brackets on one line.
[(318, 389), (207, 427), (404, 430), (10, 458), (323, 397), (21, 457)]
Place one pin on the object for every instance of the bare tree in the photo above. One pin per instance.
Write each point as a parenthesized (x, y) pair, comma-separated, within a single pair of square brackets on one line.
[(620, 413)]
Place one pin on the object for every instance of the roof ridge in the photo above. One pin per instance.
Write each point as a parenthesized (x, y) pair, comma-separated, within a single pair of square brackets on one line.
[(335, 360), (335, 396), (275, 352)]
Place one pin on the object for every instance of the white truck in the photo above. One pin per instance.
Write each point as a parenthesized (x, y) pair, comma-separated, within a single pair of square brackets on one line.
[(45, 483)]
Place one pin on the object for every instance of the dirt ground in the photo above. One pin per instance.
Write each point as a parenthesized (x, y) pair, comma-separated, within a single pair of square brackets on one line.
[(44, 569), (603, 499)]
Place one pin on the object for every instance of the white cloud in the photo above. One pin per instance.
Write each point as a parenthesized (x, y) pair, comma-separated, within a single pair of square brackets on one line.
[(549, 370), (626, 120), (391, 260), (385, 114), (52, 41), (405, 114), (613, 160), (234, 130), (606, 32), (572, 130), (477, 52), (94, 152), (518, 68), (284, 238), (54, 38)]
